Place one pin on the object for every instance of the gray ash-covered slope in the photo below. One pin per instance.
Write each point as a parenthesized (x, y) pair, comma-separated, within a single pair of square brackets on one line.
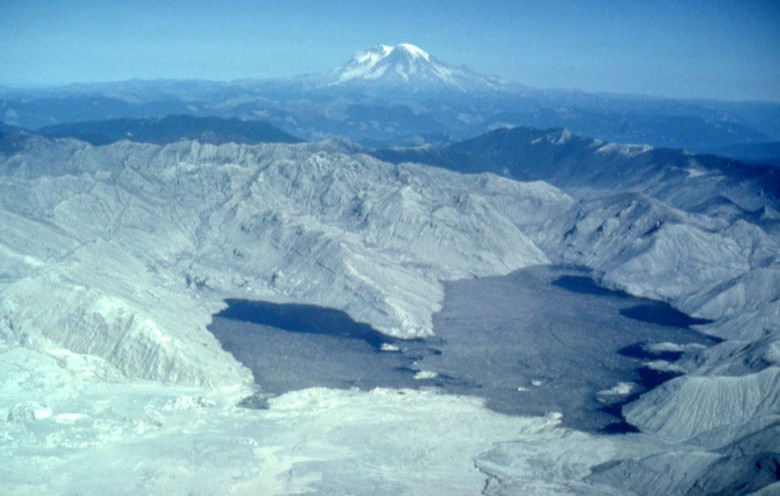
[(295, 223), (122, 253), (170, 129)]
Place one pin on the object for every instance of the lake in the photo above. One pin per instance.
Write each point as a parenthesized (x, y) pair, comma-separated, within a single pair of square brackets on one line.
[(542, 339)]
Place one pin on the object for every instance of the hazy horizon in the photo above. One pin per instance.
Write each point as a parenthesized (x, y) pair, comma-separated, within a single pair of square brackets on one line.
[(720, 50)]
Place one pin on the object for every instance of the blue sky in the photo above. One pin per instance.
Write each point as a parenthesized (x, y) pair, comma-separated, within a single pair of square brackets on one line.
[(709, 49)]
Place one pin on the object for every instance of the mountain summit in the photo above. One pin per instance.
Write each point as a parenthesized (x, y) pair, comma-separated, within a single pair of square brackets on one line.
[(406, 66)]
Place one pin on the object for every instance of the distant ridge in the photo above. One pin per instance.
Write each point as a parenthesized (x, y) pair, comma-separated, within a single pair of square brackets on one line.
[(399, 95), (760, 153), (7, 128), (170, 129), (566, 159)]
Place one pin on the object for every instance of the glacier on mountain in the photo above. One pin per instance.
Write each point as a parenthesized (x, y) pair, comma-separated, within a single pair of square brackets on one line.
[(114, 258), (409, 67)]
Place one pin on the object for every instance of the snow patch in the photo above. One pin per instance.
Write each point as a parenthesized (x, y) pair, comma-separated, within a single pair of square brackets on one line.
[(414, 51), (627, 151), (663, 366), (672, 347), (389, 347), (619, 389), (69, 418), (423, 375)]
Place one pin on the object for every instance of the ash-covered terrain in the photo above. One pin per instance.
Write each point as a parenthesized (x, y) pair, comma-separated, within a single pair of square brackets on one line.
[(115, 259)]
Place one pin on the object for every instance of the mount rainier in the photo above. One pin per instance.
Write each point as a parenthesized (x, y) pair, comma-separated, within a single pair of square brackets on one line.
[(407, 67)]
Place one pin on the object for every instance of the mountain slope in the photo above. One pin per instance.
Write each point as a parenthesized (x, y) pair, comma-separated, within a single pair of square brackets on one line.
[(759, 153), (568, 160), (170, 129), (114, 258), (279, 222)]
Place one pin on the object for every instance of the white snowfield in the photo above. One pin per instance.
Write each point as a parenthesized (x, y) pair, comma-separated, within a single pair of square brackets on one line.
[(113, 259)]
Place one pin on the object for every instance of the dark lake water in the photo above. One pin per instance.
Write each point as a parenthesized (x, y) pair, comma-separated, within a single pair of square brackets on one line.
[(541, 339), (307, 319)]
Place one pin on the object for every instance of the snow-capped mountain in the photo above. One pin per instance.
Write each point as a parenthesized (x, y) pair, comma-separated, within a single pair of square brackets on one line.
[(410, 67)]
